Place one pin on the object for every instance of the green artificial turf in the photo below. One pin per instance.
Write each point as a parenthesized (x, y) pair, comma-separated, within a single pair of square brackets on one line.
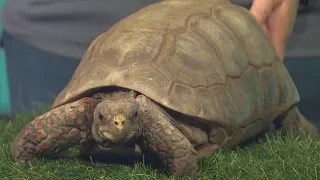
[(273, 158)]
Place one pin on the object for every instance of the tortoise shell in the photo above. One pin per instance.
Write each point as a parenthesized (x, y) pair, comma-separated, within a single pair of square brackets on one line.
[(208, 59)]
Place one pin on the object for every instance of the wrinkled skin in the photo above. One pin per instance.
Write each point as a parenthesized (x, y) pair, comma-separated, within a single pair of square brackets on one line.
[(123, 119), (116, 120)]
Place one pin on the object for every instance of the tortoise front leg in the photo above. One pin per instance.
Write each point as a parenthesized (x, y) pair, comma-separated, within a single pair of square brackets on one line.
[(54, 131), (165, 140)]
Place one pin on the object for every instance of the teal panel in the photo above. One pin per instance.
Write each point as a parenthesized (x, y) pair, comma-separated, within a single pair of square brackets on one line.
[(4, 89), (5, 106)]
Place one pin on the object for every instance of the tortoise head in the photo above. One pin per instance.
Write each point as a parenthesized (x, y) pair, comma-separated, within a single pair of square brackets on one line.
[(116, 121)]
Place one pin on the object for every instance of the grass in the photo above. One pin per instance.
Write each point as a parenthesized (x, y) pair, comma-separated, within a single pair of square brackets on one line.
[(273, 157)]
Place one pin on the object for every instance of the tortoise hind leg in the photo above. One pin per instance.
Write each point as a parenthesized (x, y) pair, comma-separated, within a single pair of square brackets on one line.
[(293, 122), (54, 131)]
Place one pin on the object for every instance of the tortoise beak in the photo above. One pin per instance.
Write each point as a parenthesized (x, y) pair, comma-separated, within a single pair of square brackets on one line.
[(106, 135), (119, 121)]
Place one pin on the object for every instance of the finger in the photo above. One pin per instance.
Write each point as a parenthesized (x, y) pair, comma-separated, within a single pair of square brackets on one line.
[(265, 28), (261, 9), (280, 24)]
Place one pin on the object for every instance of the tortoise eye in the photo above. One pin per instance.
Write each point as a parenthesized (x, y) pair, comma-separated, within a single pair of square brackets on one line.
[(135, 115), (101, 117)]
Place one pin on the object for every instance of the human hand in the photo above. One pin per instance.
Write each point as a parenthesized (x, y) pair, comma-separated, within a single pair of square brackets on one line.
[(277, 17)]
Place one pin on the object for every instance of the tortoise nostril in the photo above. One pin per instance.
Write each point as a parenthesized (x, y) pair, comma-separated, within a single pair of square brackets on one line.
[(117, 123)]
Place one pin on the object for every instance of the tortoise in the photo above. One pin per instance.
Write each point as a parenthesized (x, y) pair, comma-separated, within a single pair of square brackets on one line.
[(180, 78)]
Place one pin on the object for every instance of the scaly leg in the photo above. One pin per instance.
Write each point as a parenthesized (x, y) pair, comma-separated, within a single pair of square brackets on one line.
[(54, 131), (293, 122), (163, 139)]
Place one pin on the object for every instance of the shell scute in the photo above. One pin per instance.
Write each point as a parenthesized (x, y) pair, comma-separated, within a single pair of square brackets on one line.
[(195, 58)]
